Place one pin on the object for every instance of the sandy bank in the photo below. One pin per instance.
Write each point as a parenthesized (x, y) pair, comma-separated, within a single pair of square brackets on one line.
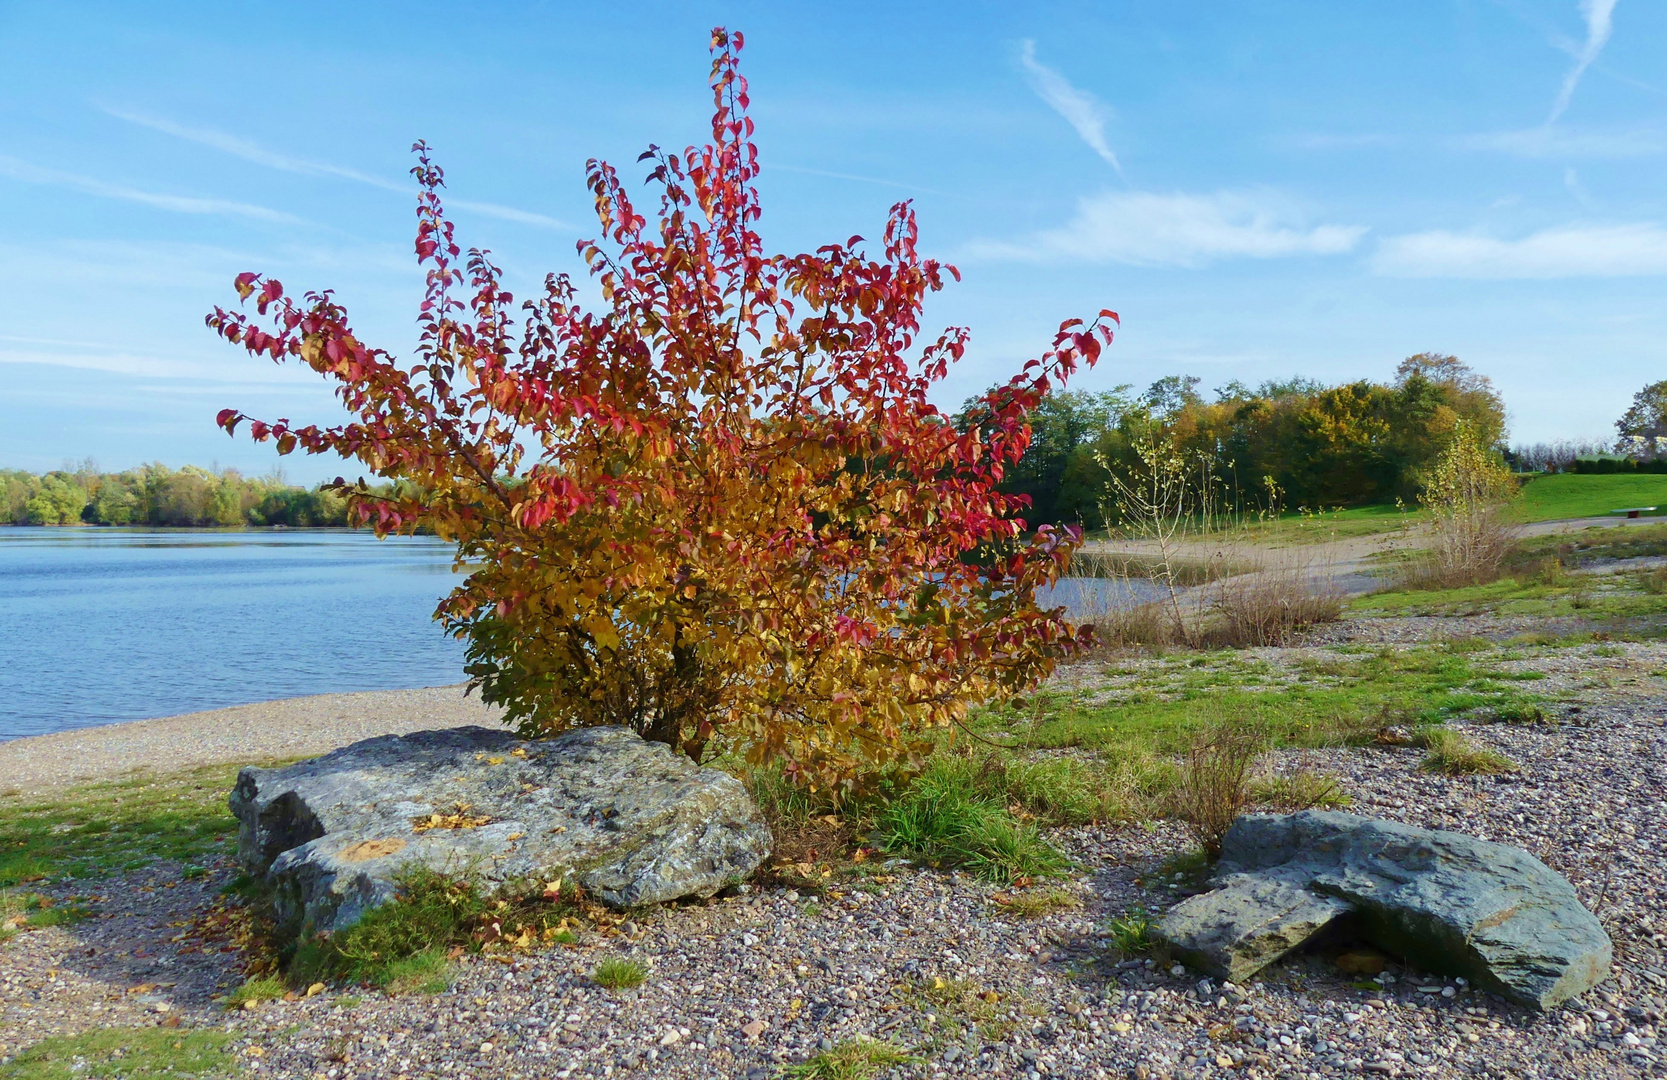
[(293, 727)]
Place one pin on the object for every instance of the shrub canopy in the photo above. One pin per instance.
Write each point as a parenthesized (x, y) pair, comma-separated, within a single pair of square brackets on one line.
[(719, 508)]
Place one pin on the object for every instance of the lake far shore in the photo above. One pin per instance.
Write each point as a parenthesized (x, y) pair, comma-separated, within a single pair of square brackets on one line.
[(262, 731)]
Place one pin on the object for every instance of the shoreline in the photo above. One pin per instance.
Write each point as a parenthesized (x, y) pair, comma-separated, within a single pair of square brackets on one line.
[(257, 732)]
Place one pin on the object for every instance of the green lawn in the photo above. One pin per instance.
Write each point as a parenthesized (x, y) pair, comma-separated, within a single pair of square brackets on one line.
[(1569, 495), (109, 826), (1325, 702)]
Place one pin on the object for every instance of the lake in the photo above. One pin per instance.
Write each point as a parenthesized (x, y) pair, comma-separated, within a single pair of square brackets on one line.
[(101, 625)]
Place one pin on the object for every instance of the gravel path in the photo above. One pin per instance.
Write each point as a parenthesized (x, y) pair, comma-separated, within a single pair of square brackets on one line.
[(743, 986), (265, 731)]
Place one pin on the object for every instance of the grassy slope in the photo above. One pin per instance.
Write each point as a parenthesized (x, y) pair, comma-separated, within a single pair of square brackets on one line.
[(1568, 495)]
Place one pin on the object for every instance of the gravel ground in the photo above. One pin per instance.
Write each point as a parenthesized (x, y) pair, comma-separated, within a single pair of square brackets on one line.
[(744, 985), (265, 731)]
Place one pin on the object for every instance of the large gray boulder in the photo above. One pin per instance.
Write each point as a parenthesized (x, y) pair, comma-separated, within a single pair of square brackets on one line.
[(1445, 901), (628, 820)]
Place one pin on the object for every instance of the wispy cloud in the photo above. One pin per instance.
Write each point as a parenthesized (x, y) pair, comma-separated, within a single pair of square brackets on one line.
[(1081, 109), (1322, 141), (182, 204), (1571, 180), (859, 179), (1634, 250), (1600, 22), (1146, 229), (1550, 142), (260, 155)]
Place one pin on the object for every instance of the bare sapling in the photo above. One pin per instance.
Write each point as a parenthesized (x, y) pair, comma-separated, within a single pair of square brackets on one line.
[(1152, 501)]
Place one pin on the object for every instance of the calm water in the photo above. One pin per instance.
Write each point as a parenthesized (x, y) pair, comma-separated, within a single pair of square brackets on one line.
[(101, 625)]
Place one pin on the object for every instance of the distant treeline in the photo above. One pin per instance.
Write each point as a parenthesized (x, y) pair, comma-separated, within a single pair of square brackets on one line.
[(158, 495), (1279, 446)]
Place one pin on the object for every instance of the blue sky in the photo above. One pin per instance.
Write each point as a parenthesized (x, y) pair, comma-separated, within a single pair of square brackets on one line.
[(1260, 189)]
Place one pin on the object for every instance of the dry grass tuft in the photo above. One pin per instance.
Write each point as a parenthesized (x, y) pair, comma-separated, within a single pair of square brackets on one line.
[(1271, 606), (1034, 903), (1214, 784)]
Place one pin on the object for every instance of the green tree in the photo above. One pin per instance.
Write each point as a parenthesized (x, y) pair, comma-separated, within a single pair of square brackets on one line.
[(1645, 421), (59, 501)]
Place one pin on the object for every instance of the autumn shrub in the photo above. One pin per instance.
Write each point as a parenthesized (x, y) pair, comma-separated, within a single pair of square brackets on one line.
[(720, 507)]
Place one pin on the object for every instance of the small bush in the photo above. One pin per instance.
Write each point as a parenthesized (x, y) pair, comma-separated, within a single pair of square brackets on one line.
[(1654, 582), (260, 988), (1213, 786), (1453, 754), (953, 814), (1467, 491), (618, 973), (852, 1059)]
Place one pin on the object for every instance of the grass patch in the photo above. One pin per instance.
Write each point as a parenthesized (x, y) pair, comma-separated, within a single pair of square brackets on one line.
[(852, 1059), (402, 947), (1299, 527), (101, 828), (958, 1003), (129, 1053), (1034, 903), (952, 815), (257, 989), (1132, 932), (427, 972), (1302, 789), (619, 973), (1357, 697), (1449, 752), (32, 911)]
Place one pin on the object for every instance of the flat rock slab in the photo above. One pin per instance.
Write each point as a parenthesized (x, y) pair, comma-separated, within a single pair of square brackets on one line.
[(1445, 901), (628, 820)]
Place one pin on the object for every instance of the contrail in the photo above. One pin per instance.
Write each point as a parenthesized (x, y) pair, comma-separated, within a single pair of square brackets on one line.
[(1084, 112), (1599, 16)]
